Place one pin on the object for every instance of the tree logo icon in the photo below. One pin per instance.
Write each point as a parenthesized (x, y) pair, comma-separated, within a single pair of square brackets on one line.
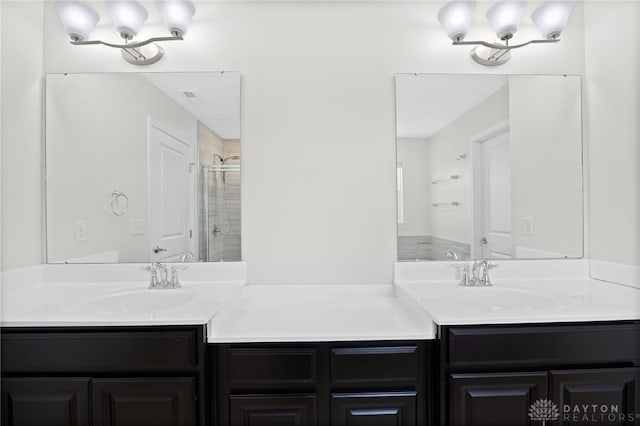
[(544, 410)]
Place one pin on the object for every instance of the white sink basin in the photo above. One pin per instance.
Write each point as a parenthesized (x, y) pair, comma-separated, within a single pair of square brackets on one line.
[(139, 302), (501, 299)]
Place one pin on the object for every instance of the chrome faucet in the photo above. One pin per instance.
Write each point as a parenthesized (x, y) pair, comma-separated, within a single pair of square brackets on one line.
[(186, 255), (477, 275), (480, 272), (160, 276), (450, 254)]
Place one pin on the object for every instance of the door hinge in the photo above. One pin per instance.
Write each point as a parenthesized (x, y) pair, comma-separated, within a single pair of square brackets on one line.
[(190, 233)]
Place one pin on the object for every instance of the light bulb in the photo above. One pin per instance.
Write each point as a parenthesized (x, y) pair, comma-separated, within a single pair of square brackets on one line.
[(505, 17), (455, 18), (128, 17), (78, 18), (552, 17), (177, 15)]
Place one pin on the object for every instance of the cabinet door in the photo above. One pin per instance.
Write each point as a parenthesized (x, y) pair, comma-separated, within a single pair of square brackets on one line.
[(600, 396), (272, 410), (374, 409), (494, 399), (144, 402), (45, 401)]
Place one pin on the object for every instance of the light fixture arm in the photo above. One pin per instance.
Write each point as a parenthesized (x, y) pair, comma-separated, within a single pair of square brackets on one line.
[(505, 46), (128, 45)]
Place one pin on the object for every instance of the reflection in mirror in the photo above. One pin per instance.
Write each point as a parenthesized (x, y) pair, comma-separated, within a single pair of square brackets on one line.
[(143, 167), (489, 166)]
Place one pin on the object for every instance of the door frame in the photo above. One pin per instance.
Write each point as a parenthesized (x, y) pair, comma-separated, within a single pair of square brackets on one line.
[(476, 183), (192, 212)]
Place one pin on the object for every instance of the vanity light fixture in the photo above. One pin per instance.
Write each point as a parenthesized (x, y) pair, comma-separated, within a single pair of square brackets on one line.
[(79, 20), (550, 18)]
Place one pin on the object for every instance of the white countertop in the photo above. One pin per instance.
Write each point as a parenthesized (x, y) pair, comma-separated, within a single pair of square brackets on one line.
[(113, 304), (232, 312), (218, 297), (294, 313), (525, 301)]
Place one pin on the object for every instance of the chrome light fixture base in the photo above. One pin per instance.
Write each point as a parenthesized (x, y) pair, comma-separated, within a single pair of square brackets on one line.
[(489, 56), (145, 55)]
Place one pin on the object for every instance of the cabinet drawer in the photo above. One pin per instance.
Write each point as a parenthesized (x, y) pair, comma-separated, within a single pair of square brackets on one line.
[(55, 352), (377, 408), (272, 410), (260, 367), (522, 345), (353, 366)]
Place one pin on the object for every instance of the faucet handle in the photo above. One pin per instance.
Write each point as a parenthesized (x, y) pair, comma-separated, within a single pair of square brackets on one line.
[(485, 275), (175, 281), (463, 270)]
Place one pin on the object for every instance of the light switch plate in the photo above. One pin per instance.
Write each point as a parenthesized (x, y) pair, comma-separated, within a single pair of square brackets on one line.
[(136, 227), (529, 226)]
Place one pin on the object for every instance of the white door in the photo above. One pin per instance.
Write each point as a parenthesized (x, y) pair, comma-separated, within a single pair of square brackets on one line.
[(171, 195), (496, 239)]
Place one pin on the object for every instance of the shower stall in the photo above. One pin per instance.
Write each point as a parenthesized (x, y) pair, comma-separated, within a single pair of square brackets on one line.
[(220, 212)]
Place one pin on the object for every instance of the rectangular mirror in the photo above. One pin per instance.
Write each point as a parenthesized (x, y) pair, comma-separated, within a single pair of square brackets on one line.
[(489, 166), (143, 167)]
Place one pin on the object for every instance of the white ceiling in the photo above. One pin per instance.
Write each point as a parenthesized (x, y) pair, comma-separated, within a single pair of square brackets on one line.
[(426, 103), (217, 98)]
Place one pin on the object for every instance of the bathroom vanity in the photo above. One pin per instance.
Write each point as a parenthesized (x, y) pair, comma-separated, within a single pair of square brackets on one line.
[(412, 354)]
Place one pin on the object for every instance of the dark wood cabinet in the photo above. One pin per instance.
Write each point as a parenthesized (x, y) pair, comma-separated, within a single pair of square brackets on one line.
[(326, 383), (495, 399), (374, 409), (608, 396), (272, 410), (104, 376), (45, 401), (493, 375), (144, 402)]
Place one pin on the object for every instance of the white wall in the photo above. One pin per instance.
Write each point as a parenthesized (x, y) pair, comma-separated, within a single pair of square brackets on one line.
[(546, 164), (22, 146), (612, 93), (1, 269), (318, 135), (455, 223), (413, 154), (97, 142)]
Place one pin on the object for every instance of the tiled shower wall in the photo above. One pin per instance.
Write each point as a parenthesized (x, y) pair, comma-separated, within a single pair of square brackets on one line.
[(223, 206), (426, 247)]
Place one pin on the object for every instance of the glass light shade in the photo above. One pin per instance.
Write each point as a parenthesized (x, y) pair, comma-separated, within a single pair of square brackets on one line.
[(78, 19), (177, 14), (128, 16), (455, 18), (552, 17), (505, 17)]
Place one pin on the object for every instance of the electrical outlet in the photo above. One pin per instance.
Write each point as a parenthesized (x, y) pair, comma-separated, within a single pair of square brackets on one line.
[(529, 228), (136, 227), (81, 230)]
